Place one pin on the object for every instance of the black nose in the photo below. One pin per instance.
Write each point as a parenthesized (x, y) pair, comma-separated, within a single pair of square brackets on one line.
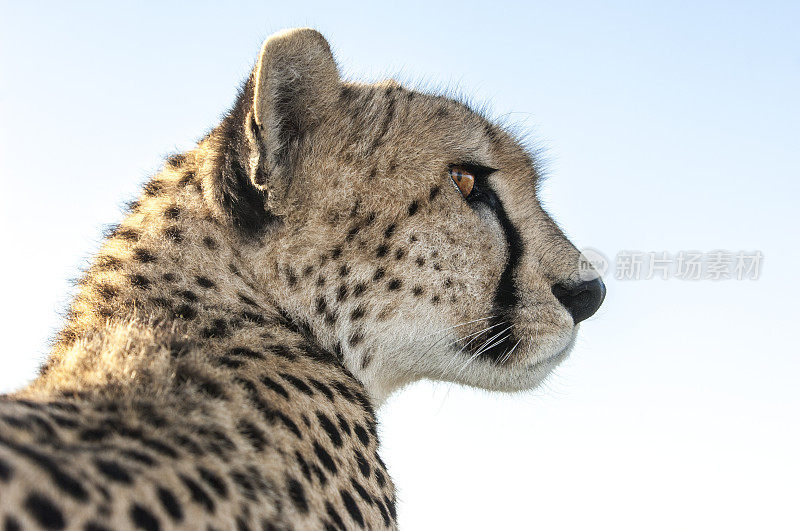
[(581, 300)]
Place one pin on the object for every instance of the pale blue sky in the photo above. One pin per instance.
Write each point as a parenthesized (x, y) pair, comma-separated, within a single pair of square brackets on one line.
[(667, 126)]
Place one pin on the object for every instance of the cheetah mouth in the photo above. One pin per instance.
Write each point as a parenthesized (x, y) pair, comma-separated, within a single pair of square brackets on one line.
[(498, 344), (553, 359)]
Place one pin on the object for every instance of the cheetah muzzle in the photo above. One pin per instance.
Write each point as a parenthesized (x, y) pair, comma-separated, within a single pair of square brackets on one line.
[(326, 244)]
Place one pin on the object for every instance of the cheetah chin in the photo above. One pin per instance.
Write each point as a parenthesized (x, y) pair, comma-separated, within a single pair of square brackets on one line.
[(327, 243)]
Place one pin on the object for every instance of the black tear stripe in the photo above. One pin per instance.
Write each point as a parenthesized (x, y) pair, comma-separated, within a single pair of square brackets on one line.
[(505, 297)]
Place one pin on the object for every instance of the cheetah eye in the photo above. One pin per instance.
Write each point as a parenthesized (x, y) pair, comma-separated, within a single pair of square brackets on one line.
[(463, 179), (470, 179)]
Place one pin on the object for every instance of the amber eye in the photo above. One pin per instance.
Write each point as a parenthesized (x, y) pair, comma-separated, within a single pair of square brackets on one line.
[(463, 178)]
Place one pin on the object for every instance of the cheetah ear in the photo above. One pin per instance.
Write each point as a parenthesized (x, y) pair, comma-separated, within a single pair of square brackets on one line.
[(295, 78)]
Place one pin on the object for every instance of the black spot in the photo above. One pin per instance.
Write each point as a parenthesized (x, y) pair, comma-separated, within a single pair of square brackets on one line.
[(106, 291), (283, 351), (160, 447), (172, 212), (244, 484), (214, 481), (143, 519), (389, 231), (357, 313), (298, 384), (107, 263), (113, 471), (433, 193), (351, 233), (334, 515), (127, 234), (205, 282), (390, 505), (330, 429), (380, 477), (303, 465), (394, 284), (324, 457), (291, 276), (289, 423), (184, 311), (275, 386), (189, 444), (362, 434), (381, 251), (362, 464), (361, 491), (6, 472), (187, 178), (218, 328), (383, 511), (253, 318), (228, 362), (11, 524), (138, 456), (153, 188), (321, 305), (336, 253), (170, 503), (209, 242), (435, 299), (341, 293), (399, 254), (413, 207), (198, 493), (161, 302), (169, 277), (355, 339), (44, 511), (174, 233), (252, 433), (324, 389), (247, 300), (93, 434), (352, 508), (187, 295), (379, 274), (359, 289), (323, 479), (417, 290), (241, 524), (347, 94), (344, 270), (297, 494)]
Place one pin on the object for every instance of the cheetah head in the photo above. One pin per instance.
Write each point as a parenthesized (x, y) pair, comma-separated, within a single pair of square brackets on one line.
[(403, 229)]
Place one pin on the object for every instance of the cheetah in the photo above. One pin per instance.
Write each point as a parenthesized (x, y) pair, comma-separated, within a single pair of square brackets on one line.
[(328, 243)]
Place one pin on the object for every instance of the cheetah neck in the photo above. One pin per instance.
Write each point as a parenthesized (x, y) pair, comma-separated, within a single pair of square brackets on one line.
[(171, 284)]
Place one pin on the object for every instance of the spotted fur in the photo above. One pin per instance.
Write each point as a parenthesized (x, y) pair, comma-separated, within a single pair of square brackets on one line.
[(220, 365)]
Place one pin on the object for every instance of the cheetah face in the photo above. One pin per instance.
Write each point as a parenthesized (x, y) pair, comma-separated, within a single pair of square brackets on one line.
[(410, 236)]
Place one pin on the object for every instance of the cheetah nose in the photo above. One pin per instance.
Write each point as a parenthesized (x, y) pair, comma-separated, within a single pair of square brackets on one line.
[(581, 300)]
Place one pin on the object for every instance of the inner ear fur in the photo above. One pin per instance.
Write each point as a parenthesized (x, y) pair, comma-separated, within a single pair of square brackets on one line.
[(294, 81)]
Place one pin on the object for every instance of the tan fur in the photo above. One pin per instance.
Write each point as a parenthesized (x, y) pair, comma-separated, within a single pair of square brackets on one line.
[(365, 270)]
